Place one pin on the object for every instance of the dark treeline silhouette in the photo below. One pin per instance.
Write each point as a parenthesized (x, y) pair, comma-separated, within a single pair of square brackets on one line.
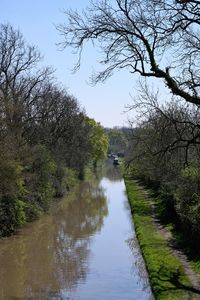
[(45, 137)]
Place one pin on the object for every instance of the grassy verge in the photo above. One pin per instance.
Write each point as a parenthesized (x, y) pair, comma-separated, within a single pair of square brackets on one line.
[(183, 241), (166, 274)]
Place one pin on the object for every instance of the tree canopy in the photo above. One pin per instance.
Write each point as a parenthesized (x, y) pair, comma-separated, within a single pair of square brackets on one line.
[(98, 141), (44, 134)]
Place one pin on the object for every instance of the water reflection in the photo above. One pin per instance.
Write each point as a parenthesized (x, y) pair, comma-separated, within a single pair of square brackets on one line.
[(110, 171), (79, 251), (139, 266), (52, 254)]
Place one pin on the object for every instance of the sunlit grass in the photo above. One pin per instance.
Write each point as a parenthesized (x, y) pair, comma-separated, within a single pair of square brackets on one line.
[(166, 274)]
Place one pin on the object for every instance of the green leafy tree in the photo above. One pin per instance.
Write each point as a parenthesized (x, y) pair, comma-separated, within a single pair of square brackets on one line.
[(117, 140), (98, 141), (46, 139)]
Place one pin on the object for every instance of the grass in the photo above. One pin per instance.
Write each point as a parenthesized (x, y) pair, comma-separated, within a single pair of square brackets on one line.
[(196, 265), (166, 274), (183, 241), (191, 251)]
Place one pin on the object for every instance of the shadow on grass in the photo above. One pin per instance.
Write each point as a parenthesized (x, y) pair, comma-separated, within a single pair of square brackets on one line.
[(183, 242), (175, 280), (166, 273), (165, 212), (182, 239)]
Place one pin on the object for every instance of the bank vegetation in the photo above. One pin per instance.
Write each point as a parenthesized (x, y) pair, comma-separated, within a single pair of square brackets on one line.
[(46, 138)]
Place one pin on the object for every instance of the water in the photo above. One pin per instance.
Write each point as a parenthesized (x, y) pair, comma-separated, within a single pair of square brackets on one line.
[(84, 249)]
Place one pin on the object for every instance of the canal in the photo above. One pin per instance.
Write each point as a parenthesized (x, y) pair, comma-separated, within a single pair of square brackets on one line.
[(85, 248)]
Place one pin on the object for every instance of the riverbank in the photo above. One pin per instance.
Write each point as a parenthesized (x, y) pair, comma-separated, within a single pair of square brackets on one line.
[(167, 274), (79, 250)]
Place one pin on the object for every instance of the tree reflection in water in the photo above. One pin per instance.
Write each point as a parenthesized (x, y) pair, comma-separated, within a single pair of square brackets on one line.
[(110, 171), (139, 265), (51, 256)]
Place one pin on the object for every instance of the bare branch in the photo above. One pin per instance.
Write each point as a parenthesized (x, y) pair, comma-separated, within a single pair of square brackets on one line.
[(139, 35)]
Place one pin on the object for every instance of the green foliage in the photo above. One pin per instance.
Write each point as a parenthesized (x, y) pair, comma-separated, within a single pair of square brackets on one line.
[(190, 172), (188, 203), (117, 140), (71, 178), (39, 178), (164, 154), (166, 273), (64, 179), (12, 215), (46, 139), (98, 141), (12, 192), (11, 180)]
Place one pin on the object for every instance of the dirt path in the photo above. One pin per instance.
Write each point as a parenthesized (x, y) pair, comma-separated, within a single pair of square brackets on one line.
[(194, 277)]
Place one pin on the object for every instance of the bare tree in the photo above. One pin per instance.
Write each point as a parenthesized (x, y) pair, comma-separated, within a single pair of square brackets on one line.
[(21, 82), (164, 152), (157, 39), (163, 129)]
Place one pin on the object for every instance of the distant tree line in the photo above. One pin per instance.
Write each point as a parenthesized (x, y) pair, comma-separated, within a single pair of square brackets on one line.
[(45, 136), (118, 141)]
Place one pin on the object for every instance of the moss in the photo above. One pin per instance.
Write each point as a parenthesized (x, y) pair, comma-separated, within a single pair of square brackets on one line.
[(166, 274)]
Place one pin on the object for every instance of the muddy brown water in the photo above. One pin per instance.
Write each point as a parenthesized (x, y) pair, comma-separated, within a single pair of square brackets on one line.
[(85, 248)]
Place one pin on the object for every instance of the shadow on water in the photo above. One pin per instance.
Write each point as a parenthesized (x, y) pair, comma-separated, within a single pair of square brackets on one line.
[(52, 254)]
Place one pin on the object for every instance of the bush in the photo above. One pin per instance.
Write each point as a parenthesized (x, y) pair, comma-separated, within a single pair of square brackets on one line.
[(39, 179), (12, 214)]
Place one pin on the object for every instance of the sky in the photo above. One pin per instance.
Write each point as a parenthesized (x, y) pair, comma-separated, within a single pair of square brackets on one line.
[(37, 20)]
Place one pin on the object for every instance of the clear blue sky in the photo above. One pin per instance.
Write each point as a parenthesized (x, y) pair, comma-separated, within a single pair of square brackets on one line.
[(36, 20)]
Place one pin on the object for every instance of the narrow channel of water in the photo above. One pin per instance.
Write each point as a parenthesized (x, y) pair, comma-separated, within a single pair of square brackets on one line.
[(84, 249)]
